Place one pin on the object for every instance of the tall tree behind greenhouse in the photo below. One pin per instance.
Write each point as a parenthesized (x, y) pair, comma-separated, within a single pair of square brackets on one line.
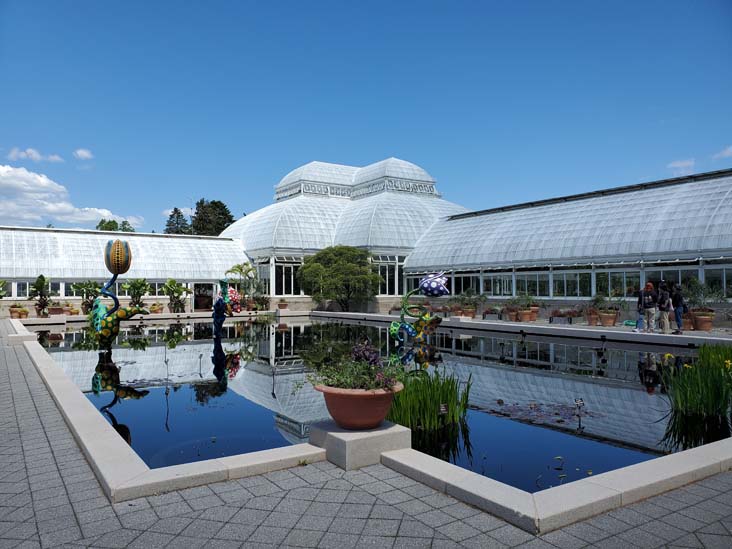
[(177, 223), (210, 217)]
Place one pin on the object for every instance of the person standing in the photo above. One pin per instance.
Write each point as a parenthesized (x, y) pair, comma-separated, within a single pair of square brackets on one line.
[(664, 306), (647, 300), (677, 301)]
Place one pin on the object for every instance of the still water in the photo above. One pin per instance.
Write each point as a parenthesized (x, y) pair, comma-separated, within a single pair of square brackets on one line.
[(542, 413)]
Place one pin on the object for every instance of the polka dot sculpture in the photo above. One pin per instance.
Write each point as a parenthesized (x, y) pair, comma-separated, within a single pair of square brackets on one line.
[(424, 325)]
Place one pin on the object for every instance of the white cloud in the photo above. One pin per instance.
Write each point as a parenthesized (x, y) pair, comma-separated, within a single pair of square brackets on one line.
[(682, 167), (83, 154), (30, 198), (724, 153), (35, 155), (186, 211)]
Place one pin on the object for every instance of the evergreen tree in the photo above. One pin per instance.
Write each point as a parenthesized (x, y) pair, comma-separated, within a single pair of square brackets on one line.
[(177, 223), (125, 227), (107, 225), (210, 217)]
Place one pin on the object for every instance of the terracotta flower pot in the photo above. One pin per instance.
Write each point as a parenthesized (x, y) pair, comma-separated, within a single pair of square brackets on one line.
[(14, 313), (282, 305), (511, 316), (358, 408), (607, 319), (687, 323), (55, 310), (703, 322), (23, 314), (591, 320), (534, 312), (470, 313), (525, 315)]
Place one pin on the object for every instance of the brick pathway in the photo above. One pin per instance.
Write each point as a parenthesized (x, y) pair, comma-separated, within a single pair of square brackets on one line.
[(50, 497)]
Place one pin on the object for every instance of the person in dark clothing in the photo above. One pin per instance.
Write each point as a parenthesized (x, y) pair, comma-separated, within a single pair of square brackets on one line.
[(647, 299), (678, 303), (664, 306)]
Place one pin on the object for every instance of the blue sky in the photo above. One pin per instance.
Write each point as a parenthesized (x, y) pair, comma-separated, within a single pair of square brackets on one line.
[(502, 102)]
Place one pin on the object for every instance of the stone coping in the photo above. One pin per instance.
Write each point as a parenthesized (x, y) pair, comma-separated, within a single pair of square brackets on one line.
[(550, 509), (120, 471), (533, 329)]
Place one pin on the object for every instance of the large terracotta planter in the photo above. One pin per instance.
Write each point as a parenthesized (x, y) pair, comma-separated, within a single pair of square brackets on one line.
[(607, 319), (55, 310), (281, 305), (511, 316), (14, 313), (534, 312), (703, 322), (688, 323), (591, 320), (358, 408), (525, 315)]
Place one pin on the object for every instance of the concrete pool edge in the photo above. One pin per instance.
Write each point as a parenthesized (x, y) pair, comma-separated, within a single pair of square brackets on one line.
[(120, 471), (548, 510)]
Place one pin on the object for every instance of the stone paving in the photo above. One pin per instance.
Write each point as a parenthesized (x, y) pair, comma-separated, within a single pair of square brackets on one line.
[(49, 497)]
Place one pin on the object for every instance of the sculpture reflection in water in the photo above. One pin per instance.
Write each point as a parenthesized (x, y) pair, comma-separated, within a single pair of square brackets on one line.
[(433, 404), (106, 378)]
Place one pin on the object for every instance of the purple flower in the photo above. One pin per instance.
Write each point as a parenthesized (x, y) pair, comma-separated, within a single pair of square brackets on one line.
[(365, 352), (434, 285)]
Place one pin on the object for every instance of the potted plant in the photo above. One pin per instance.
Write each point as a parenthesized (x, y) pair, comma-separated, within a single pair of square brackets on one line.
[(88, 291), (282, 303), (176, 294), (562, 316), (74, 311), (466, 303), (592, 309), (15, 310), (492, 313), (700, 297), (510, 310), (22, 312), (358, 389), (55, 308), (67, 308), (156, 308), (136, 289), (526, 308), (40, 292)]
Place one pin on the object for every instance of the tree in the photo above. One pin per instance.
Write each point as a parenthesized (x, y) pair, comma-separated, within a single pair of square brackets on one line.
[(340, 273), (125, 227), (112, 225), (107, 225), (247, 274), (177, 223), (210, 218)]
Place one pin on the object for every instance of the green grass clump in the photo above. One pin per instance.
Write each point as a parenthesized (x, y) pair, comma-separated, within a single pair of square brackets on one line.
[(700, 395), (705, 387), (430, 402)]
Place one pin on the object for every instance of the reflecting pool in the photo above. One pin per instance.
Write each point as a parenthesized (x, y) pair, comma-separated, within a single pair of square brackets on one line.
[(542, 412)]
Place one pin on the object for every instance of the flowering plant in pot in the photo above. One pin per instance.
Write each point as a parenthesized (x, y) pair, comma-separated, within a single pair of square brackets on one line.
[(359, 388)]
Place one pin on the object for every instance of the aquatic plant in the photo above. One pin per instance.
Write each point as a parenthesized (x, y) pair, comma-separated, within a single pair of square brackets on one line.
[(704, 387), (446, 443), (429, 402), (700, 395)]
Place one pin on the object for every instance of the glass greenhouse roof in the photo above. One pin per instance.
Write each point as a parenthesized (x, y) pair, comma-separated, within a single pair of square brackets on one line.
[(687, 217), (385, 206), (77, 254)]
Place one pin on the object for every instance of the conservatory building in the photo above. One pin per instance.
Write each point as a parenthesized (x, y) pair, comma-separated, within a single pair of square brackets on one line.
[(608, 242), (66, 256), (383, 208)]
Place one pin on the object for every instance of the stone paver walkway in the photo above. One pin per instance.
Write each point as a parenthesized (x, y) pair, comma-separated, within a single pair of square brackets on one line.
[(49, 497)]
